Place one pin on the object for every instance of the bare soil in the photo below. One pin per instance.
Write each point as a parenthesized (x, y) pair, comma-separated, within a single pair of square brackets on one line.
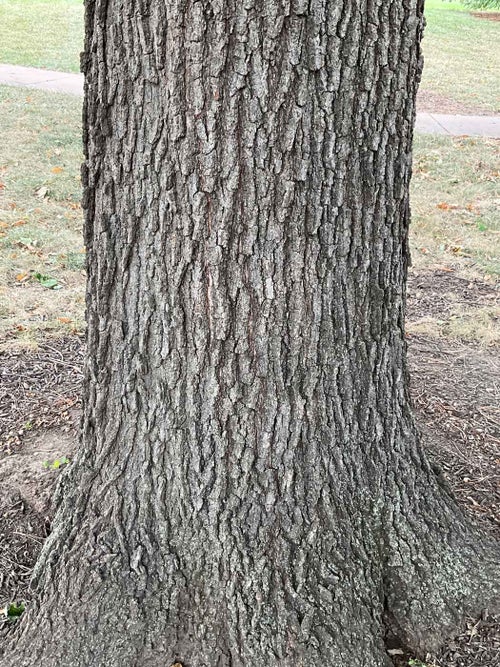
[(456, 393), (489, 16), (431, 102)]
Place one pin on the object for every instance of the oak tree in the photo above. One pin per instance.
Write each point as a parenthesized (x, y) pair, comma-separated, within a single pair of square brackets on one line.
[(250, 488)]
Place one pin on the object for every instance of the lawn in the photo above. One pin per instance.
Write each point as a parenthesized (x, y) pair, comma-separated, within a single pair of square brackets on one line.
[(455, 204), (42, 33), (40, 215), (456, 218), (462, 58)]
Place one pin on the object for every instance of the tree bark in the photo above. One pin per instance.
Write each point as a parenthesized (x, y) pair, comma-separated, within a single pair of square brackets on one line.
[(250, 488)]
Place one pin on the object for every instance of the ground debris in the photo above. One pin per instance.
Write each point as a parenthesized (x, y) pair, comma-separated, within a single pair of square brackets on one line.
[(39, 389), (456, 394)]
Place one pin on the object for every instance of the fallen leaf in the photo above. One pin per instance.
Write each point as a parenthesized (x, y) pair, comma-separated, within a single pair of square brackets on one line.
[(3, 225), (443, 206), (19, 223), (21, 276), (42, 192), (57, 170), (64, 320)]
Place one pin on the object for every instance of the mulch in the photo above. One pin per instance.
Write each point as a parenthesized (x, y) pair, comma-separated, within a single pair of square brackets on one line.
[(39, 390), (439, 292), (456, 392), (22, 532)]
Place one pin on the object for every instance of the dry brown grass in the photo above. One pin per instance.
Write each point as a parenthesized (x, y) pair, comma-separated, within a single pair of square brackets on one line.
[(40, 216), (455, 202)]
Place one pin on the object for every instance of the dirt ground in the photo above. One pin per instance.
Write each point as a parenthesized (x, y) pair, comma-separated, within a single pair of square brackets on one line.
[(456, 394), (431, 102), (489, 16)]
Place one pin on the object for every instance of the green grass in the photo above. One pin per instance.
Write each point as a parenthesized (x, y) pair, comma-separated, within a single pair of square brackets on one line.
[(462, 58), (40, 216), (42, 33)]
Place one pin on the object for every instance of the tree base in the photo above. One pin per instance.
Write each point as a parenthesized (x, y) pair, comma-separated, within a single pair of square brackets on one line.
[(301, 606)]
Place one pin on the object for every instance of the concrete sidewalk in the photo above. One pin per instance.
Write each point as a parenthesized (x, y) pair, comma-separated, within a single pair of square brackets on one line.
[(457, 126), (45, 79), (427, 123)]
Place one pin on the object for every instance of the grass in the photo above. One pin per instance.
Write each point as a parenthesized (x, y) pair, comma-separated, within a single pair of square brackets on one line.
[(455, 202), (40, 216), (462, 58), (456, 229), (42, 33)]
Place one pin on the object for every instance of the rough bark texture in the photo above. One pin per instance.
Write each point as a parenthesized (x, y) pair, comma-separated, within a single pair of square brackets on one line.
[(250, 489)]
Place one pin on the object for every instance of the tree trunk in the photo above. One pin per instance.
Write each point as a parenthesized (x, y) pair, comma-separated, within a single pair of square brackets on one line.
[(250, 488)]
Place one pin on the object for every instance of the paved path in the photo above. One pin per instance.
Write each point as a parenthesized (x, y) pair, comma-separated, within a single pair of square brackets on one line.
[(30, 77), (427, 123), (471, 126)]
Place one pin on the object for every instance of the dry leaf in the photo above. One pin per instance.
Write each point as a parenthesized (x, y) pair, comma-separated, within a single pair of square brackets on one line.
[(21, 276), (443, 206), (19, 223), (57, 170), (64, 320)]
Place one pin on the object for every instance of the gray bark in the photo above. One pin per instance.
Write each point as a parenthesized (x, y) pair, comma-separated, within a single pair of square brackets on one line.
[(250, 488)]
